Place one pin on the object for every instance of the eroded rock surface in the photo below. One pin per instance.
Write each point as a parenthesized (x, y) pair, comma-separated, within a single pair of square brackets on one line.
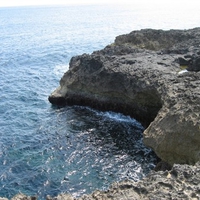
[(139, 75), (182, 182)]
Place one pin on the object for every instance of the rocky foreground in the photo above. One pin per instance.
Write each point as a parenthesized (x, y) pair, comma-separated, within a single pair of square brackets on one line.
[(153, 76), (182, 182)]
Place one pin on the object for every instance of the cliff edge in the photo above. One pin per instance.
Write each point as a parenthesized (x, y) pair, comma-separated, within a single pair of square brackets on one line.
[(153, 76), (141, 74)]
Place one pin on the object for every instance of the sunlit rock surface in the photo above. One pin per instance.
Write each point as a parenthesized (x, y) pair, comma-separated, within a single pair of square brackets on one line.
[(139, 75)]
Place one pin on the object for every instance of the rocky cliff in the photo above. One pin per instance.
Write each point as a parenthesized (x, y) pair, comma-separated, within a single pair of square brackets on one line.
[(181, 182), (140, 75)]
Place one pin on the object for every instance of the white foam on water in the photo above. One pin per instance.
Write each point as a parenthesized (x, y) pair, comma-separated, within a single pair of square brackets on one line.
[(59, 70)]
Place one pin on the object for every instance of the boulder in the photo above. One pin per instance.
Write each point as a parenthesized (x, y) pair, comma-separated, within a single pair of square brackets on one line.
[(139, 75)]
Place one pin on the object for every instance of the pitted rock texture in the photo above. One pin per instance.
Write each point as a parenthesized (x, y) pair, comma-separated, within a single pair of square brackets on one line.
[(182, 182), (139, 76)]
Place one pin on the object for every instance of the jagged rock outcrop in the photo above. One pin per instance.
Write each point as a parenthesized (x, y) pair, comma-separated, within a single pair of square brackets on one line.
[(139, 75), (182, 182)]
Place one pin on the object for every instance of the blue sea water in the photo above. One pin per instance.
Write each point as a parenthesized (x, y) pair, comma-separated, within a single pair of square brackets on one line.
[(49, 150)]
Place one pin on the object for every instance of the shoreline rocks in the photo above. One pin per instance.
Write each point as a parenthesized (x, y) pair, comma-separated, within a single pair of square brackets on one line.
[(139, 75), (181, 182)]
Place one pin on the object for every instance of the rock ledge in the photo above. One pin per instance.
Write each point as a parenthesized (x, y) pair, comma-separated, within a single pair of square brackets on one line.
[(139, 75)]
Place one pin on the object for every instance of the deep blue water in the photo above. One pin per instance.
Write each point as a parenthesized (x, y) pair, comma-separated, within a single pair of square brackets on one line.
[(48, 150)]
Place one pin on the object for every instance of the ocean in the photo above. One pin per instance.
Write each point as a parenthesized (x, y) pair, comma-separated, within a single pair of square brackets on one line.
[(47, 150)]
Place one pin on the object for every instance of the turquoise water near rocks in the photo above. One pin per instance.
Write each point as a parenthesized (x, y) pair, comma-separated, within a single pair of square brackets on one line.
[(49, 150)]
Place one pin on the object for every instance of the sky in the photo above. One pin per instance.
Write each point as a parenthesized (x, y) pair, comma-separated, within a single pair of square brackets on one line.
[(5, 3)]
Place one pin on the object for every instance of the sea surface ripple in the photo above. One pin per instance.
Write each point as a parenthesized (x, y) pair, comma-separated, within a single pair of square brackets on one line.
[(49, 150)]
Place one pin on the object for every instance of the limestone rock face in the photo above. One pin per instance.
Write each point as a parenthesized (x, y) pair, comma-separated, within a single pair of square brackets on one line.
[(139, 75), (175, 132)]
